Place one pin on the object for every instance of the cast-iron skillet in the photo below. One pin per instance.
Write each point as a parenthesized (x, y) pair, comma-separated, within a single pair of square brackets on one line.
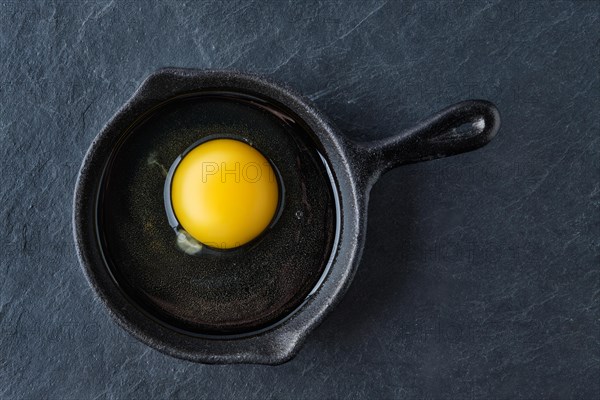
[(354, 168)]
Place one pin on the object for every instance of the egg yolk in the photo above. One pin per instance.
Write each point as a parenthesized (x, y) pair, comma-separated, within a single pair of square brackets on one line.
[(224, 193)]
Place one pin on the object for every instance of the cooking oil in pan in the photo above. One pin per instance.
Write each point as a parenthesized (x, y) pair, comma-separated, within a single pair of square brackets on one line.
[(208, 288)]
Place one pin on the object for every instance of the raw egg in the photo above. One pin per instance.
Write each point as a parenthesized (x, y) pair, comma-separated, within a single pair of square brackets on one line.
[(180, 280), (224, 193)]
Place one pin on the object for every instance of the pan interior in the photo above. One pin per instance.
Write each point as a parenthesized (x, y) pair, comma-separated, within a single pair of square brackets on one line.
[(216, 293)]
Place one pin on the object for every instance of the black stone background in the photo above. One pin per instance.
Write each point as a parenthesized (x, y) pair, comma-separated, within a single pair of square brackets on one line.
[(480, 276)]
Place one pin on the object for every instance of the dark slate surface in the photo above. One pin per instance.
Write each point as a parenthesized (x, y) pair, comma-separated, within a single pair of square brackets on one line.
[(480, 277)]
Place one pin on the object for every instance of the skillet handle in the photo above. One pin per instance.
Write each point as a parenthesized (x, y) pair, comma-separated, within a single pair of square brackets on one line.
[(460, 128)]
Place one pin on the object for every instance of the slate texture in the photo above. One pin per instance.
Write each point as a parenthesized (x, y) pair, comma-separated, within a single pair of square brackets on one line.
[(480, 277)]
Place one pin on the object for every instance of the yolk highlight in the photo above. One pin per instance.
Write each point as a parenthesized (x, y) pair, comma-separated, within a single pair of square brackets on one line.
[(224, 193)]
